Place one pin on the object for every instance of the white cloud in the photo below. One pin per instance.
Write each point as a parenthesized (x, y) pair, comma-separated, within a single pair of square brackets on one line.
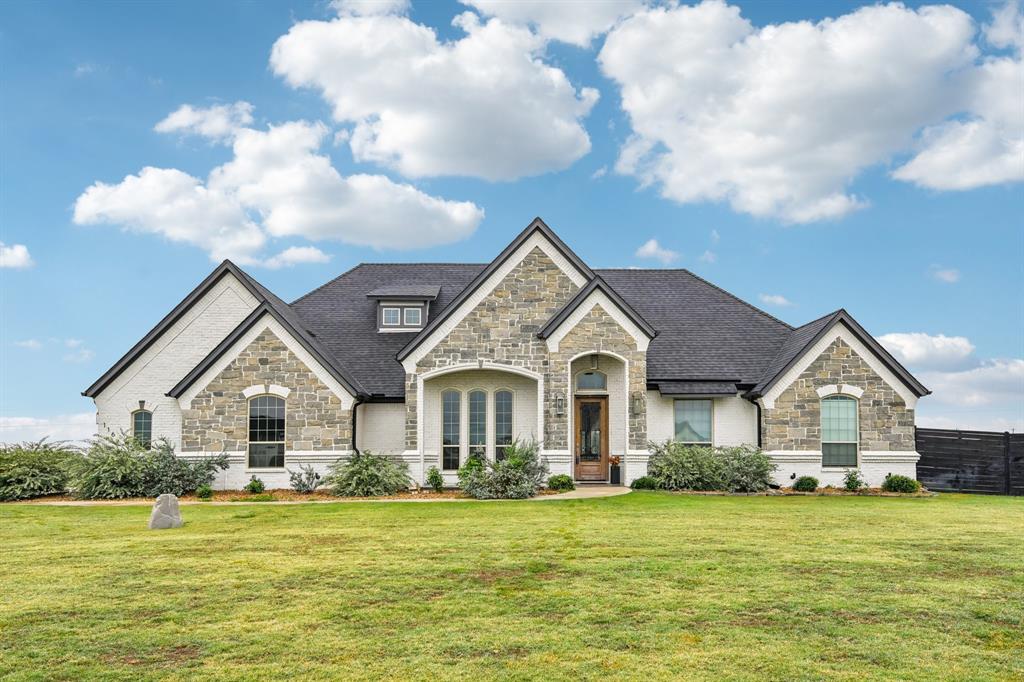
[(774, 299), (295, 255), (947, 275), (87, 69), (993, 382), (70, 427), (715, 237), (599, 173), (653, 250), (30, 344), (220, 122), (779, 120), (485, 105), (926, 351), (369, 7), (709, 257), (73, 343), (276, 185), (78, 353), (15, 256), (1006, 30), (577, 23)]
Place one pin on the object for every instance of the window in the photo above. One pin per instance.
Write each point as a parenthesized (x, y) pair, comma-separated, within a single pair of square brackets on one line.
[(450, 422), (693, 421), (142, 427), (592, 381), (412, 317), (266, 432), (838, 431), (502, 423), (478, 423), (391, 317)]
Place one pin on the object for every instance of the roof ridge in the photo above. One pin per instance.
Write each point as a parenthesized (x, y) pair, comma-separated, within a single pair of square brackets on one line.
[(330, 281), (782, 346), (737, 298)]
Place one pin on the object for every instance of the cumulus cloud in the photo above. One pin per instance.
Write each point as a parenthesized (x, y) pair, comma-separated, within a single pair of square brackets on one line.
[(993, 382), (576, 23), (775, 299), (295, 255), (921, 350), (947, 275), (220, 122), (708, 257), (778, 121), (15, 256), (653, 250), (276, 185), (485, 105), (77, 427)]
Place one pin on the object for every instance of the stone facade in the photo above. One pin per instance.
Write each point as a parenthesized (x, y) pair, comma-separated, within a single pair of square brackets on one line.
[(794, 423), (218, 418)]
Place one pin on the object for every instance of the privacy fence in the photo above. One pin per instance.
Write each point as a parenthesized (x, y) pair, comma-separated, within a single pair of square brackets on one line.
[(971, 461)]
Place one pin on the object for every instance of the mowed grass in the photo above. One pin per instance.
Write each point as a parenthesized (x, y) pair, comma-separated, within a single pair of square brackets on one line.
[(648, 585)]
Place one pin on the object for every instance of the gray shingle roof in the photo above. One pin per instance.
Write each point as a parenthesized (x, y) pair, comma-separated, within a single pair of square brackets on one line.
[(697, 388), (413, 291)]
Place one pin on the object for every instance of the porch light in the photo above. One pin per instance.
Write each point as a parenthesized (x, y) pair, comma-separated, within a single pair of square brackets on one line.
[(594, 360), (638, 403), (559, 404)]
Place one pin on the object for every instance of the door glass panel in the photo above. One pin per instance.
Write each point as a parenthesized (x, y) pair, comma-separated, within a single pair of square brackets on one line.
[(590, 432)]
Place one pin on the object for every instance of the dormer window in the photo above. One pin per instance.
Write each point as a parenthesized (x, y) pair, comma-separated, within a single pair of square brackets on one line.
[(403, 308)]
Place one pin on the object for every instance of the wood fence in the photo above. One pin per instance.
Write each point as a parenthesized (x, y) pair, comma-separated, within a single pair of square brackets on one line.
[(971, 461)]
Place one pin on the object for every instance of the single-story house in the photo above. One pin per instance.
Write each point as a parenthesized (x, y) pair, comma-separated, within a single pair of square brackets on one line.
[(433, 362)]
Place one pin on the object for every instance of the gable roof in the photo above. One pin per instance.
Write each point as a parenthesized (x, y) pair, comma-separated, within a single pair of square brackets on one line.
[(802, 338), (222, 270), (596, 284), (537, 225), (411, 291)]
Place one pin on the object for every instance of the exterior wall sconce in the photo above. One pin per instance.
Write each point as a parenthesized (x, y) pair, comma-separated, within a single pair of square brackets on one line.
[(637, 403), (559, 404), (594, 361)]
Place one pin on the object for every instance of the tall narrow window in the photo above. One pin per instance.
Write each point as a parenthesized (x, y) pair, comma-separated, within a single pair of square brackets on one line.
[(839, 431), (693, 421), (478, 424), (142, 427), (502, 423), (451, 407), (266, 432)]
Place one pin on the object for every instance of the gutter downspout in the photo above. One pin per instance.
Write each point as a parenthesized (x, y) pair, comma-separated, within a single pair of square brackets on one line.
[(355, 422), (757, 404)]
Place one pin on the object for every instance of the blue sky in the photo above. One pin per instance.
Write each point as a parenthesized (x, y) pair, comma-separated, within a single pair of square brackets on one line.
[(869, 158)]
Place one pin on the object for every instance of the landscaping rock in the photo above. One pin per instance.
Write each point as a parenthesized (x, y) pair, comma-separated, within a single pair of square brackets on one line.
[(165, 513)]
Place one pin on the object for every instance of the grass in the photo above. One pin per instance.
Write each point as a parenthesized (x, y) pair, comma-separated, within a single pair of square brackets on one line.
[(649, 585)]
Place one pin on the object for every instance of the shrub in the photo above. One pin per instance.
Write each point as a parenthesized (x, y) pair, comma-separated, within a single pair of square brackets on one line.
[(644, 483), (516, 477), (676, 466), (806, 484), (435, 480), (365, 474), (254, 486), (561, 482), (204, 492), (853, 481), (305, 480), (746, 469), (33, 469), (168, 473), (894, 483)]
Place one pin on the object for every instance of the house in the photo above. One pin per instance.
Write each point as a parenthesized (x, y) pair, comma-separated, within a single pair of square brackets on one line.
[(433, 362)]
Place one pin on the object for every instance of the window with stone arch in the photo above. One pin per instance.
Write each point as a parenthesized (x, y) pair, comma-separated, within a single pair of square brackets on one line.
[(840, 433), (266, 432)]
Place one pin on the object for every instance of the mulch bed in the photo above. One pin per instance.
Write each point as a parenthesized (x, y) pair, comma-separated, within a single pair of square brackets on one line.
[(820, 492)]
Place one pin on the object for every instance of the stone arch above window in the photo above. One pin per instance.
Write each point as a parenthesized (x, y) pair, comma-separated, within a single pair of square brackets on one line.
[(266, 389), (845, 389)]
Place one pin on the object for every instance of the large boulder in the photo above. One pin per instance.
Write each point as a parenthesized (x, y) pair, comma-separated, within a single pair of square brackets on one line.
[(165, 513)]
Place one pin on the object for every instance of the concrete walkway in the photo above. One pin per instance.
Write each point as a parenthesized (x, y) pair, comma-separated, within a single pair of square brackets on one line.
[(585, 492)]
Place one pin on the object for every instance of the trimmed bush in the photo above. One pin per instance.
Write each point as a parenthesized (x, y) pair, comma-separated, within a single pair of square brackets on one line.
[(561, 482), (853, 481), (204, 492), (33, 469), (365, 474), (676, 466), (520, 475), (746, 469), (305, 480), (805, 484), (894, 483), (119, 466), (644, 483), (435, 480), (254, 486)]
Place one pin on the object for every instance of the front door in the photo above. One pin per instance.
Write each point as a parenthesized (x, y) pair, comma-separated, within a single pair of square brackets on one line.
[(592, 439)]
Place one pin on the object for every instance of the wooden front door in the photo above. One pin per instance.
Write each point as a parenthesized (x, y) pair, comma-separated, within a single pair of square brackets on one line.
[(592, 439)]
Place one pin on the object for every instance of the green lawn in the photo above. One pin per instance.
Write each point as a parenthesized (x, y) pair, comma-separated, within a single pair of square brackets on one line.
[(648, 585)]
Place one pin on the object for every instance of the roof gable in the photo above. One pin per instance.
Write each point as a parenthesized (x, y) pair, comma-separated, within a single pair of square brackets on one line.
[(596, 286)]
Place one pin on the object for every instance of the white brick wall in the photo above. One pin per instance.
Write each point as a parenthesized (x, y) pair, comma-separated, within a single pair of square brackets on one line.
[(734, 420), (170, 358), (874, 466), (381, 428)]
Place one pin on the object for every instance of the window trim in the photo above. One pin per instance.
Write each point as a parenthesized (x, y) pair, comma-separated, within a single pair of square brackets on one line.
[(821, 433), (589, 391), (148, 443), (711, 436), (384, 316), (494, 419), (248, 434), (405, 316), (460, 442), (469, 422)]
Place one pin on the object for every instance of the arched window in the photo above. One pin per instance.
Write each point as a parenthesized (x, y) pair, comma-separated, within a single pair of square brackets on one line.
[(451, 423), (503, 404), (839, 431), (266, 432), (477, 423), (142, 427), (592, 381)]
